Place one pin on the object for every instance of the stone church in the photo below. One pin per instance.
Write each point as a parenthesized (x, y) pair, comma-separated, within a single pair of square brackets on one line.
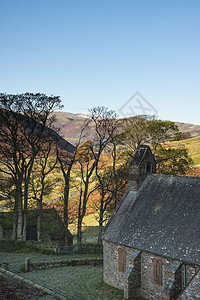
[(152, 241)]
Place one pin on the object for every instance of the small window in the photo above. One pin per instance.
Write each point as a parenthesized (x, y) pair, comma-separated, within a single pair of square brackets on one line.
[(184, 276), (148, 167), (158, 272), (121, 260)]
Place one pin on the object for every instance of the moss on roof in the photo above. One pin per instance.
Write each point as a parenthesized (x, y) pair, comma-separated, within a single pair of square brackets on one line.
[(162, 217), (51, 221)]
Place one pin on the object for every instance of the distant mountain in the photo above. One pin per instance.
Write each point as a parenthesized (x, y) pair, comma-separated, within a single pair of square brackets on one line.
[(29, 125), (71, 125), (83, 115), (194, 130)]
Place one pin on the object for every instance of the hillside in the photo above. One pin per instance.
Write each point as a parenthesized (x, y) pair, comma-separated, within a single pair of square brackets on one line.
[(71, 124), (193, 146), (194, 130)]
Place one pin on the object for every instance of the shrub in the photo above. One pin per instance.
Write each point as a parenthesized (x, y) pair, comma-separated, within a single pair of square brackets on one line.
[(26, 247)]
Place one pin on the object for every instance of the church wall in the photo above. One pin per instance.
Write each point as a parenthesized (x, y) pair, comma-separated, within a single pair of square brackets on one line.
[(190, 272), (112, 276), (192, 291), (149, 289)]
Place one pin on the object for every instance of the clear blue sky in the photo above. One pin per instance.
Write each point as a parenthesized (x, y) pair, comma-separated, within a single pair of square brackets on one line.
[(101, 52)]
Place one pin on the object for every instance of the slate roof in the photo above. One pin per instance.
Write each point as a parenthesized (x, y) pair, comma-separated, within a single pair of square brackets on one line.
[(162, 217), (140, 153)]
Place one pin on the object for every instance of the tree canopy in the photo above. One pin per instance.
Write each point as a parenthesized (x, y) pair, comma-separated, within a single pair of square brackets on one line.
[(25, 124)]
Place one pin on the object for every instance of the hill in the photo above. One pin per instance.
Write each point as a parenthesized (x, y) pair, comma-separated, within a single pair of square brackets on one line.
[(37, 127), (193, 146), (194, 130), (71, 124)]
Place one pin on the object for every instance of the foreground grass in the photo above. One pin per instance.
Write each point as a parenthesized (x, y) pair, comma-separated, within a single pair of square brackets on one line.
[(84, 282), (80, 282)]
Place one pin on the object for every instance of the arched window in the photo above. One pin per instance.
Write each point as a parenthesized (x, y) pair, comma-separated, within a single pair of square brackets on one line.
[(158, 272), (121, 260)]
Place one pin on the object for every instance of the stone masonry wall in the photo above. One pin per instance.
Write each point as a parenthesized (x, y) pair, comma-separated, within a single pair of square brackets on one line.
[(151, 291), (192, 291), (132, 277), (148, 289), (190, 272), (110, 258)]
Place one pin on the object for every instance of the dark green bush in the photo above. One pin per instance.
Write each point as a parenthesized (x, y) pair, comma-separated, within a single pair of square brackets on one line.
[(25, 247)]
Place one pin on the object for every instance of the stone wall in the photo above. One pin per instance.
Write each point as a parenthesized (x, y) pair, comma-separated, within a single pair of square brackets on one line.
[(191, 270), (153, 291), (192, 291), (172, 275), (110, 261), (65, 262), (132, 277), (148, 288)]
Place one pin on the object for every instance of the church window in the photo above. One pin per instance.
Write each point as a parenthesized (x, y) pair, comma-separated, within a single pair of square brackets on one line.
[(158, 272), (148, 168), (184, 276), (121, 260)]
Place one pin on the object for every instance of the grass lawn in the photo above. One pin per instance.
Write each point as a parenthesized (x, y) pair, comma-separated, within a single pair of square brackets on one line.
[(84, 282)]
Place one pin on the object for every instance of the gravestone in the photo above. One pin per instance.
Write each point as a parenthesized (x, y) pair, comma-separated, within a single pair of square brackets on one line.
[(1, 232), (27, 265)]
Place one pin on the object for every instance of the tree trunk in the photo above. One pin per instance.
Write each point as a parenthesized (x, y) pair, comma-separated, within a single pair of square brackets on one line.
[(19, 222), (66, 176), (24, 232), (39, 218), (25, 210), (101, 213), (80, 218), (19, 210), (28, 171), (79, 233), (39, 221), (14, 232), (66, 209), (100, 230)]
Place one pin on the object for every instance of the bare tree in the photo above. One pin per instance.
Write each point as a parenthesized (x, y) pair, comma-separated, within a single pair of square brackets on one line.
[(109, 178), (23, 122), (87, 162), (88, 157), (111, 182), (66, 160), (40, 184)]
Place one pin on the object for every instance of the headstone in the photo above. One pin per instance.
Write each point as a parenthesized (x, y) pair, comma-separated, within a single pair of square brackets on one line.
[(1, 232), (27, 264)]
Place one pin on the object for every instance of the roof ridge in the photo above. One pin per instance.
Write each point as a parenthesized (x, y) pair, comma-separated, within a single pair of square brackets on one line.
[(175, 176)]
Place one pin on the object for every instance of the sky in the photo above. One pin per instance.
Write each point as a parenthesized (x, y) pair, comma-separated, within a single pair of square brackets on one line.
[(130, 56)]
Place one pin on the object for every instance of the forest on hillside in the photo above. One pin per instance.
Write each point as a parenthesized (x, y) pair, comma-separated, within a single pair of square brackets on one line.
[(39, 169)]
